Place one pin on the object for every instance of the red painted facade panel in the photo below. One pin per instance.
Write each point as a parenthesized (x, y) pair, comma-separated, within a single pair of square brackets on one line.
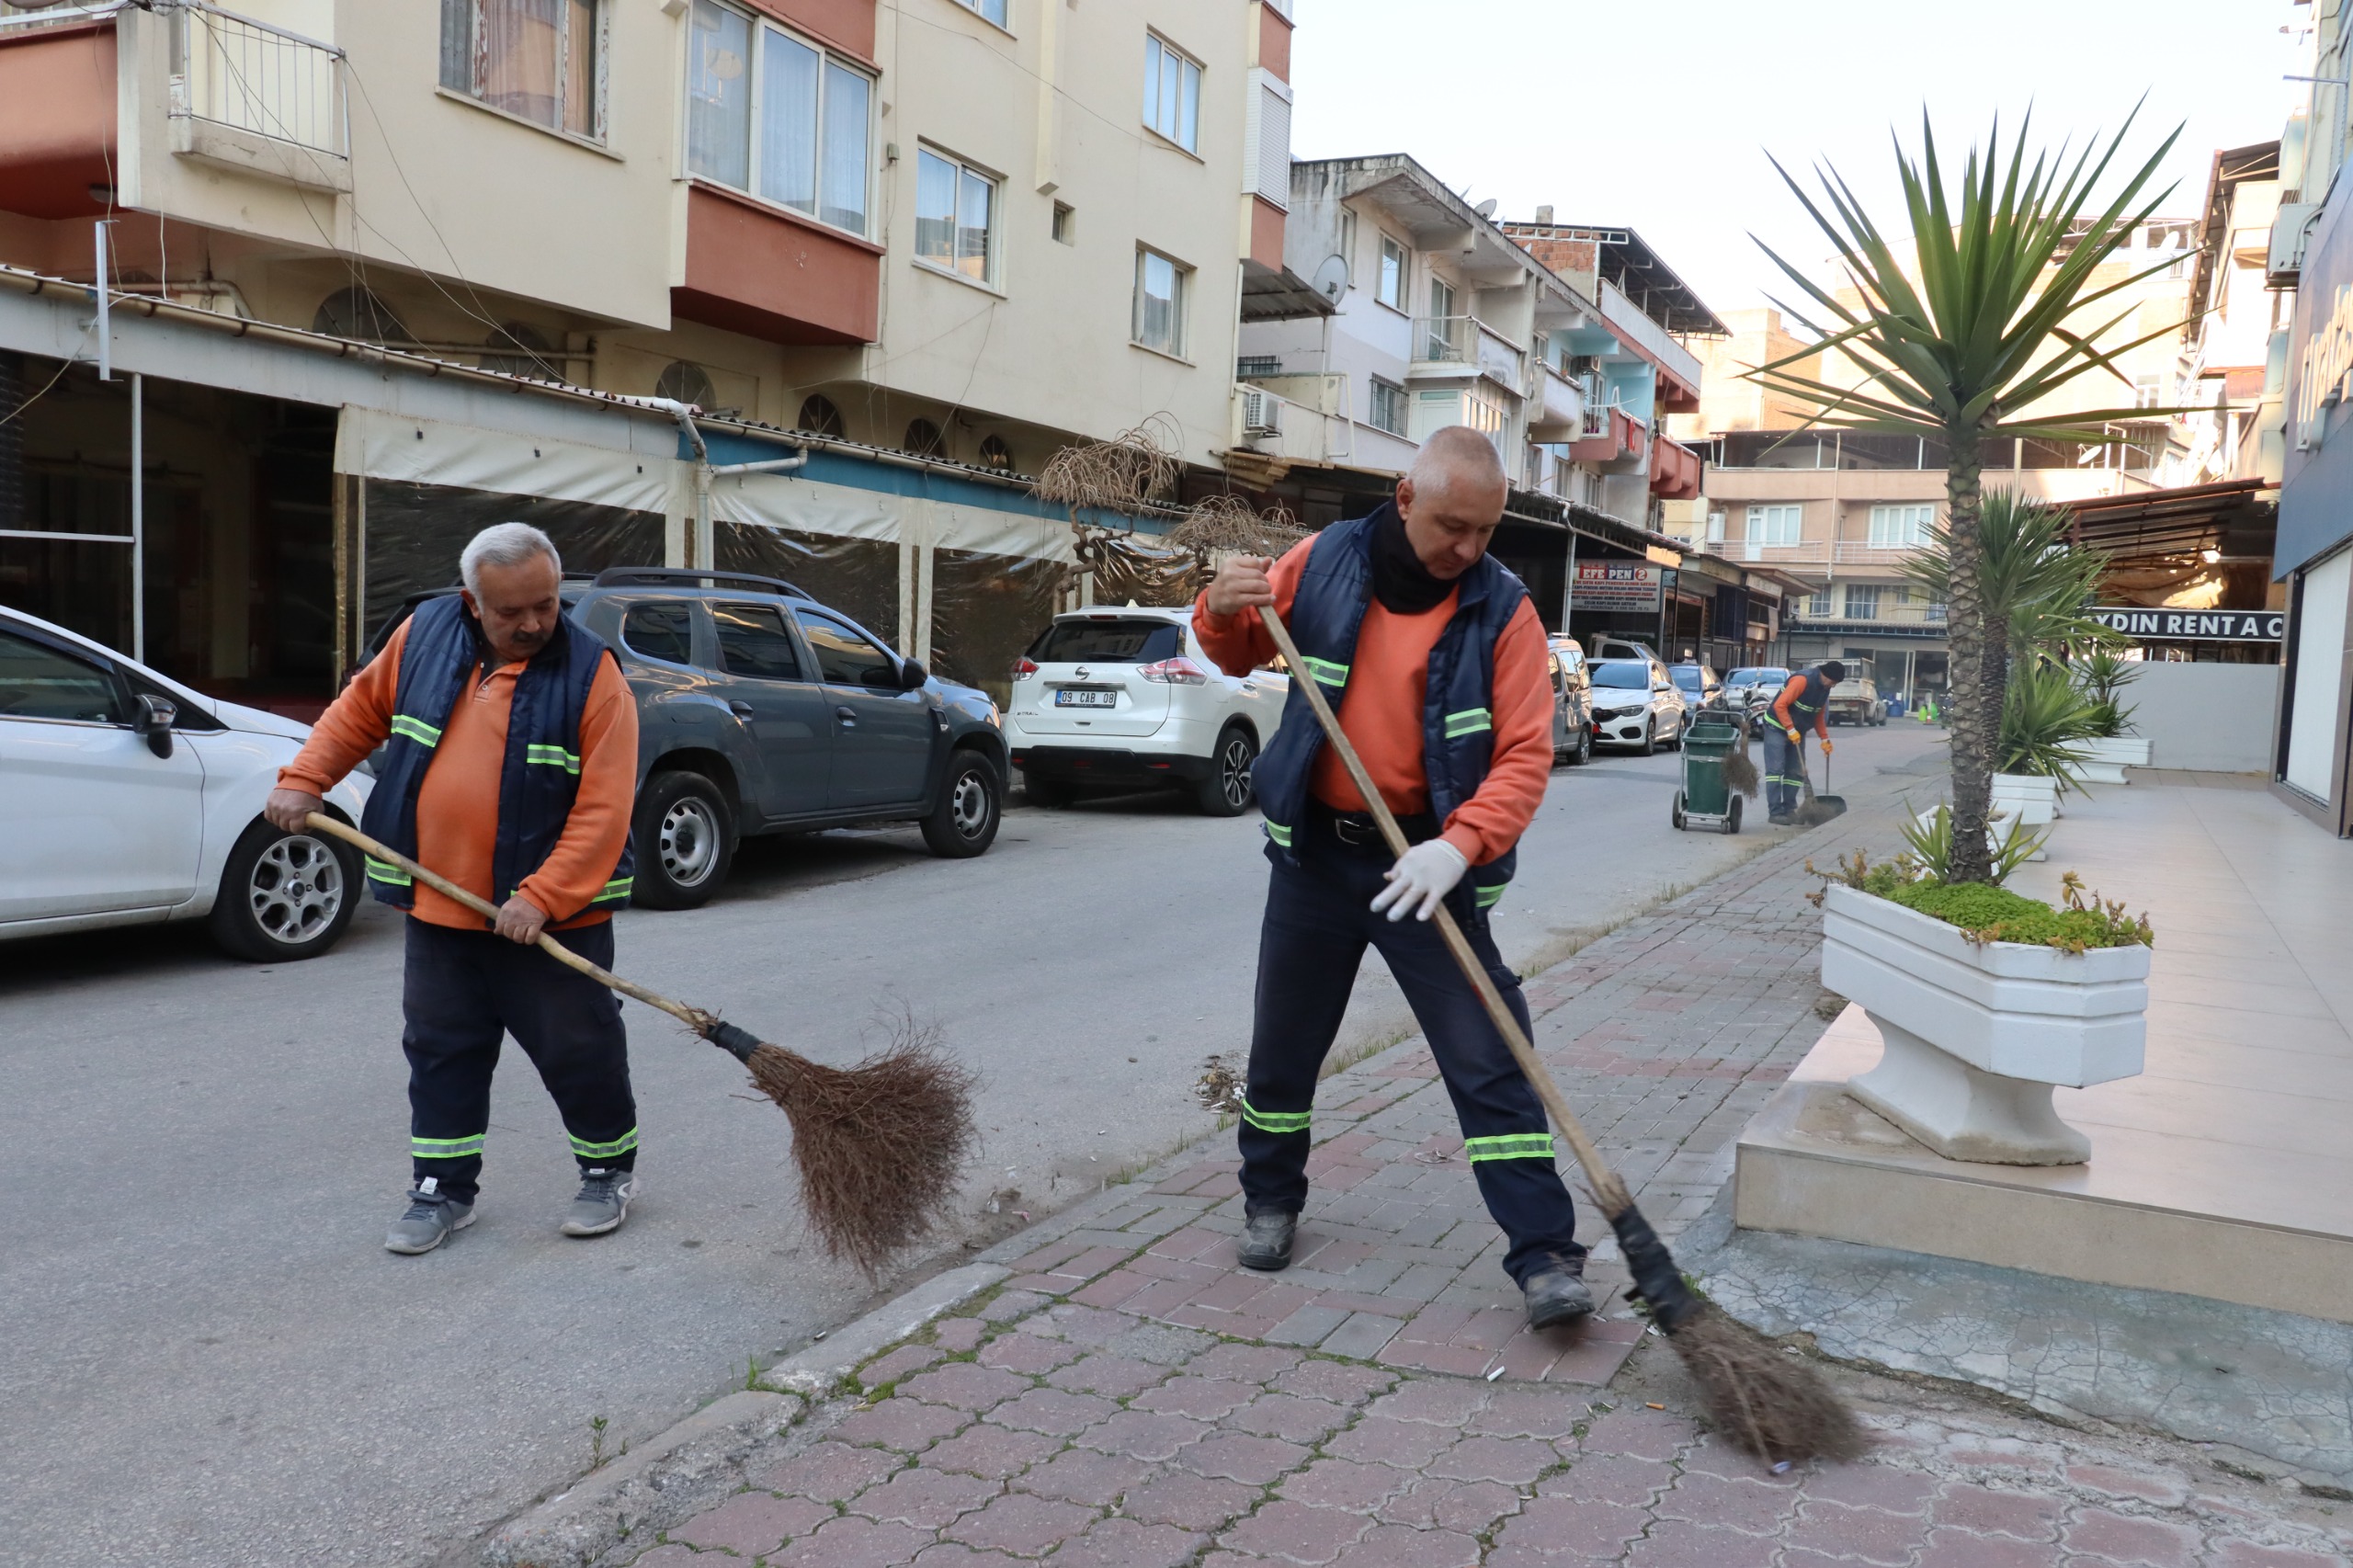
[(753, 270), (847, 25), (1265, 234), (57, 112), (1274, 43)]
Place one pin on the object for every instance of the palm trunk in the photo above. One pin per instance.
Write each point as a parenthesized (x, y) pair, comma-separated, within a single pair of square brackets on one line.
[(1975, 702)]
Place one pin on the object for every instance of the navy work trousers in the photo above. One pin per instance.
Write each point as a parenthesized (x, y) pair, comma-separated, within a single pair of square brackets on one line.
[(465, 990), (1784, 772), (1319, 921)]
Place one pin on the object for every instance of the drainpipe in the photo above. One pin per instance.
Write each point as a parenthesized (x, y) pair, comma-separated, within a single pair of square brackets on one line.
[(701, 551)]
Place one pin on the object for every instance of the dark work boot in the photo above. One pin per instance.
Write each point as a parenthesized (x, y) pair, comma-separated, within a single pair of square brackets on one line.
[(1266, 1241), (1558, 1295)]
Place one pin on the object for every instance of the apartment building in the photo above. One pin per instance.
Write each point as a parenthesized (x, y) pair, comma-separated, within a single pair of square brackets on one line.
[(1527, 331), (372, 275), (1843, 512)]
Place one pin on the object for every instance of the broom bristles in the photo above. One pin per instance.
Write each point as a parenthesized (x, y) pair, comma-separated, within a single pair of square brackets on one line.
[(1762, 1397), (880, 1146)]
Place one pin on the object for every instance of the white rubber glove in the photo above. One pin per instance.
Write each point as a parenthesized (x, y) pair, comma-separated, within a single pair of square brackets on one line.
[(1421, 879)]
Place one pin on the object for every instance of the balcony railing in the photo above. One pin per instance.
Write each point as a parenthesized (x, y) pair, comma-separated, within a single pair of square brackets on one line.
[(1803, 552), (1865, 553), (232, 71), (1876, 611), (1471, 344)]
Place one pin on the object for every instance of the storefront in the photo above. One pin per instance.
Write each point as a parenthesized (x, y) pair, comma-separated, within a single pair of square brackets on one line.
[(2313, 556)]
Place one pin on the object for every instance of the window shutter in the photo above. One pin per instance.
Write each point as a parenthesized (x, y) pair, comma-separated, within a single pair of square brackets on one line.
[(1266, 143)]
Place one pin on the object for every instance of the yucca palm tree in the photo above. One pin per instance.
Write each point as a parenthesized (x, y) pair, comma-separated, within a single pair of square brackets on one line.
[(2031, 584), (1962, 348)]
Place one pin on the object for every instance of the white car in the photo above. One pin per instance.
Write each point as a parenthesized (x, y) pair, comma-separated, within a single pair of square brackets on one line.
[(127, 798), (1637, 704), (1125, 698)]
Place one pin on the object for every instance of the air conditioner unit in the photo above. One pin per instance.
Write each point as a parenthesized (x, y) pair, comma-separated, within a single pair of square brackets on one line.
[(1583, 365), (1261, 412)]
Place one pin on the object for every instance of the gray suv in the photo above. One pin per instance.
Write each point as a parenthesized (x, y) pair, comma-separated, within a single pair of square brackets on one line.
[(760, 711)]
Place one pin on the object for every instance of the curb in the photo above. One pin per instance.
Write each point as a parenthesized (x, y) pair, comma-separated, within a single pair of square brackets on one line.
[(657, 1484), (824, 1366)]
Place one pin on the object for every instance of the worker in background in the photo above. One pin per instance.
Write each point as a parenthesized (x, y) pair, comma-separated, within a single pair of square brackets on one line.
[(1806, 700), (511, 769), (1434, 658)]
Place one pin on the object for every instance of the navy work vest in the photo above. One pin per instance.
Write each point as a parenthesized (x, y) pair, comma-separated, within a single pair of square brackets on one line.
[(541, 776), (1809, 702), (1458, 717)]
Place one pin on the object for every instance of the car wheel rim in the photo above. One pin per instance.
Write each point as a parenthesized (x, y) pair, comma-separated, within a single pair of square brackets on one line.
[(689, 846), (1234, 773), (969, 807), (296, 889)]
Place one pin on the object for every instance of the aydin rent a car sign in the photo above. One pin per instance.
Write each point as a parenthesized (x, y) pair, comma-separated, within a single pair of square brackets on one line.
[(2193, 625), (1617, 585)]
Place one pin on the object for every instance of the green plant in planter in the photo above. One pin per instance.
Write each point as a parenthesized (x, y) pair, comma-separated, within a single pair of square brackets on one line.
[(1984, 912), (2102, 678), (2044, 721), (1931, 845)]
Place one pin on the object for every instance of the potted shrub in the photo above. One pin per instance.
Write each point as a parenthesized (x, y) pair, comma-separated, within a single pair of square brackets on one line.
[(1986, 1000), (2045, 721), (2110, 747)]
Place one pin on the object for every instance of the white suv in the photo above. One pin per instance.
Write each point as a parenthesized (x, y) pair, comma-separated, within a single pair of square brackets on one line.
[(1125, 698)]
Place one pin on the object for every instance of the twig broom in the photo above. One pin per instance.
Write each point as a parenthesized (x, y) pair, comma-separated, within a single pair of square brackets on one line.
[(880, 1146), (1770, 1403)]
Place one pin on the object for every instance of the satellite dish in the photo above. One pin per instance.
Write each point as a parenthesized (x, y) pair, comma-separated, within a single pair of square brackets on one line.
[(1487, 209), (1331, 279)]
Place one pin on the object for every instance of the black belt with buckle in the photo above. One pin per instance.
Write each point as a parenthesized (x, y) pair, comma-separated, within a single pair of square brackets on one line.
[(1358, 831)]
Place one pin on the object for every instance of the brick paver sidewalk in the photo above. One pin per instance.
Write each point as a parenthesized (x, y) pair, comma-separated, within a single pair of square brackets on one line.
[(1129, 1397)]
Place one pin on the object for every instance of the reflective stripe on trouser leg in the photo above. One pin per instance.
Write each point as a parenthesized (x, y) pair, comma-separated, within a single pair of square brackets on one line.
[(1308, 946), (1784, 775)]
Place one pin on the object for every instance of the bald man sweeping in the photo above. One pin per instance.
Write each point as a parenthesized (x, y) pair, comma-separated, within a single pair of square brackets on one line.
[(1435, 659)]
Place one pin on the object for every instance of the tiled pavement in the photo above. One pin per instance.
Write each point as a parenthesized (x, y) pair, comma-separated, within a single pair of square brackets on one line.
[(1129, 1397)]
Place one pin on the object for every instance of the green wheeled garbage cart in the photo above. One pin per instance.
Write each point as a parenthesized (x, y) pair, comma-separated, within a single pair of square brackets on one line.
[(1706, 801)]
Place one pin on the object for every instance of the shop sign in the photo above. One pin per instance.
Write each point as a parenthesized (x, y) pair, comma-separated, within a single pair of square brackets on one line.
[(2194, 625), (1618, 585)]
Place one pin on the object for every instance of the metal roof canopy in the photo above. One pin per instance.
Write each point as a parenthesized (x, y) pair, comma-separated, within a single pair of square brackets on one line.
[(2257, 161), (2227, 517), (1626, 260), (1271, 295)]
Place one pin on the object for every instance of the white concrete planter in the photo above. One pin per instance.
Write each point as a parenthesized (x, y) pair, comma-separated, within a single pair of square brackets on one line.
[(2106, 760), (1976, 1037), (2030, 796)]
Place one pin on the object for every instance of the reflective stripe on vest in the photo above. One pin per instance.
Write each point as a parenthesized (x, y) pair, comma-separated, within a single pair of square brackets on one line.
[(1325, 672), (417, 730), (386, 872), (554, 756), (1280, 833), (1509, 1146), (1469, 722)]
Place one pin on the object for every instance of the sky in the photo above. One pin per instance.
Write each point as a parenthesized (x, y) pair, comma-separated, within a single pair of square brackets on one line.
[(1657, 115)]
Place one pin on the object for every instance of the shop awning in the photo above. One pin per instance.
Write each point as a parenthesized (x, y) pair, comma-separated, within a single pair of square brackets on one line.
[(2236, 519)]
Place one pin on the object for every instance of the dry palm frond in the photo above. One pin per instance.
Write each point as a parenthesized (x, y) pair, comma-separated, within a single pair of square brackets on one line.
[(1122, 475), (1225, 522)]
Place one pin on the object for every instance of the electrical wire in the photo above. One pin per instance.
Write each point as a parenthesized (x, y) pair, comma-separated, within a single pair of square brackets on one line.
[(65, 365)]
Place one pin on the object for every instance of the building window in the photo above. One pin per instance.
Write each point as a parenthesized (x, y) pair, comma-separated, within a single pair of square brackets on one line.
[(1390, 289), (1442, 298), (1388, 406), (1348, 238), (1066, 224), (1161, 287), (955, 217), (683, 380), (518, 348), (538, 60), (1862, 600), (820, 417), (1172, 92), (1902, 527), (359, 312), (1777, 526), (780, 118), (992, 9), (924, 439), (995, 454), (1817, 605)]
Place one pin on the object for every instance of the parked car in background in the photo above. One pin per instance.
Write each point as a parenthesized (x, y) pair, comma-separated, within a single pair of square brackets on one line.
[(1635, 704), (1126, 698), (1572, 703), (1606, 647), (1856, 701), (761, 712), (1700, 686), (1755, 687), (127, 799)]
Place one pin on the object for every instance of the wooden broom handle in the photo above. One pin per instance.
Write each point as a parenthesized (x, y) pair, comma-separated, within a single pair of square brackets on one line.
[(322, 823), (1607, 1191)]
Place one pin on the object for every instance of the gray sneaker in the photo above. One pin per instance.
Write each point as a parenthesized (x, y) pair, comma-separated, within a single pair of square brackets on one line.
[(603, 1203), (429, 1220)]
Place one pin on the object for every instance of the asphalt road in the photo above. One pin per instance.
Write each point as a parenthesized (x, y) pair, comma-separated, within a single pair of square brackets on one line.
[(211, 1361)]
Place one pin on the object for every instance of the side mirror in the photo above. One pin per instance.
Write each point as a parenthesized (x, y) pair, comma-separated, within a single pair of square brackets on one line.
[(153, 718), (911, 674)]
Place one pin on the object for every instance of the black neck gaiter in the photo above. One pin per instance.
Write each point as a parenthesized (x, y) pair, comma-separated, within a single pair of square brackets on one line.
[(1400, 581)]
